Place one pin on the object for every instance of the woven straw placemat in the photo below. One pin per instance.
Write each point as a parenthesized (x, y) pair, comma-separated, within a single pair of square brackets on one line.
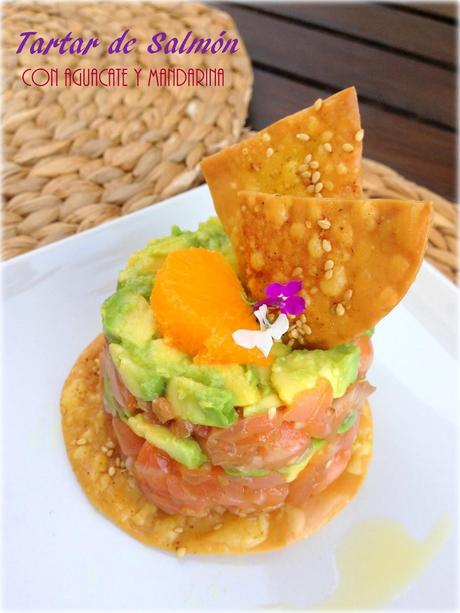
[(75, 158), (379, 181)]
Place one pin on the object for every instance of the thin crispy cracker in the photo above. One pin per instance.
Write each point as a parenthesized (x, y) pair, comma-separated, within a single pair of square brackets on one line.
[(273, 160), (119, 498), (374, 249)]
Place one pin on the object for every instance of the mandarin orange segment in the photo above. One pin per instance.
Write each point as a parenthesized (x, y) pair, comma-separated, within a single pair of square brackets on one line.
[(198, 301)]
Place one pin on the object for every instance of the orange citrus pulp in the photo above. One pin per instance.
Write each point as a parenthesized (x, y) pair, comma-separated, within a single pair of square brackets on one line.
[(198, 301)]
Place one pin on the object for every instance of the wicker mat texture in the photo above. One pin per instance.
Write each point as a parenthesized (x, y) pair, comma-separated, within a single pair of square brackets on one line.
[(75, 158)]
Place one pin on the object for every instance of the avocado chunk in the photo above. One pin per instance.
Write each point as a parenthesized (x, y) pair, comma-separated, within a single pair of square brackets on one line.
[(347, 423), (167, 361), (164, 359), (127, 316), (142, 382), (272, 400), (301, 370), (201, 404), (241, 382), (142, 284), (145, 369), (147, 261), (293, 471), (186, 451), (280, 350)]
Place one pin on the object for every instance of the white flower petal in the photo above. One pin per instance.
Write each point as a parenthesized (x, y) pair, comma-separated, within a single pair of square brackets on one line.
[(254, 338), (261, 315), (245, 338), (262, 339), (279, 327), (264, 342)]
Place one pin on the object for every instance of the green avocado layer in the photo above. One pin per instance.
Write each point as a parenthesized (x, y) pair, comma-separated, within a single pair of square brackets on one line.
[(203, 394)]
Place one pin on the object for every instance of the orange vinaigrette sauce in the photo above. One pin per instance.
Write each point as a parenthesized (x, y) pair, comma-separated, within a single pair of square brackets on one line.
[(378, 559)]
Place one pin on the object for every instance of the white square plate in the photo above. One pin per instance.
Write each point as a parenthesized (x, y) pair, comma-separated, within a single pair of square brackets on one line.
[(61, 553)]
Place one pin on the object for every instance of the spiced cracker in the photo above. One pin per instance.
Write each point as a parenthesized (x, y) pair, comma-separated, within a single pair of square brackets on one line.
[(315, 152), (356, 258)]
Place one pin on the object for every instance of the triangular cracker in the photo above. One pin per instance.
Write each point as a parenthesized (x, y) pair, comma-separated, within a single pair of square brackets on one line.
[(356, 258), (315, 152)]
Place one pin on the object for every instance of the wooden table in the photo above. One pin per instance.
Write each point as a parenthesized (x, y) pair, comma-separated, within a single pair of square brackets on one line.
[(401, 58)]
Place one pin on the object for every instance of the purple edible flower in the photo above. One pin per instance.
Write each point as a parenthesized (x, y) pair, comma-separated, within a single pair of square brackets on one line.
[(284, 297)]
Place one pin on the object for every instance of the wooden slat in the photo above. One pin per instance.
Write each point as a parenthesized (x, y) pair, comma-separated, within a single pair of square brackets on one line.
[(422, 153), (384, 76), (442, 9), (412, 33)]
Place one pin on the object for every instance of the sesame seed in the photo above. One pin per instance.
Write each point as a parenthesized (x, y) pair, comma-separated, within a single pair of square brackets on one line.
[(245, 151), (308, 158), (315, 177), (329, 185), (266, 137), (339, 309), (294, 333), (271, 412), (318, 104), (326, 245), (298, 425), (325, 224), (181, 552), (348, 294), (111, 471), (109, 453), (342, 169), (303, 136), (81, 441), (110, 445), (308, 224), (319, 195), (348, 147), (307, 329), (178, 530), (297, 272), (318, 187), (314, 165), (328, 264), (291, 342), (359, 135), (303, 167), (104, 449), (117, 461), (328, 147), (328, 274), (314, 290), (218, 526), (303, 318), (311, 189), (269, 152), (306, 174)]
